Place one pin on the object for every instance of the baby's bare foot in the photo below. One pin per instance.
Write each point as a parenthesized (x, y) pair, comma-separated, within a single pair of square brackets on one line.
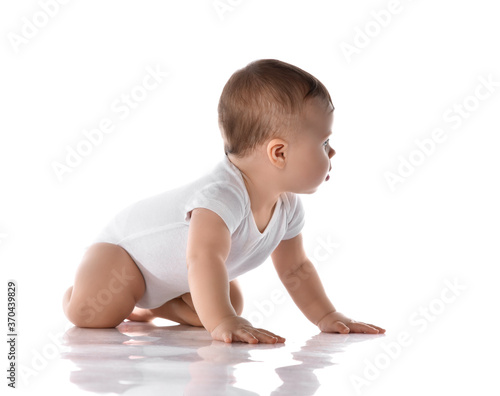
[(141, 315)]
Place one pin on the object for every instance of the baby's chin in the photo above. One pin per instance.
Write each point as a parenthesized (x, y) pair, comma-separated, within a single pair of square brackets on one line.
[(307, 190), (311, 186)]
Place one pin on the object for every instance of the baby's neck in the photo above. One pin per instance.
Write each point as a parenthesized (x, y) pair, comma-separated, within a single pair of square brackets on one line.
[(261, 181)]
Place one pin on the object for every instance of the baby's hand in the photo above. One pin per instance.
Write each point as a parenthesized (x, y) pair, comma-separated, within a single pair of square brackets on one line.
[(235, 328), (335, 322)]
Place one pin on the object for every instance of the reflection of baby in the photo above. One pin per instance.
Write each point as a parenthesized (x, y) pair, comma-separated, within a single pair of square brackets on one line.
[(275, 120), (139, 360), (214, 374)]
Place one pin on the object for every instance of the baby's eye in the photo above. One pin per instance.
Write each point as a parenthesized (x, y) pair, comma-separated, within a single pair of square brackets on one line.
[(326, 143)]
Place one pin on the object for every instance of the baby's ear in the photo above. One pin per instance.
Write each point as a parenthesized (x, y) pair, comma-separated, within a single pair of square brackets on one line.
[(277, 152)]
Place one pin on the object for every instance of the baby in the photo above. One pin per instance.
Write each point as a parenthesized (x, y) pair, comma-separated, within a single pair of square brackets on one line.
[(177, 255)]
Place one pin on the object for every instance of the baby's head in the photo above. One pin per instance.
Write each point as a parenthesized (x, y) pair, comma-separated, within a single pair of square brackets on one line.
[(275, 112)]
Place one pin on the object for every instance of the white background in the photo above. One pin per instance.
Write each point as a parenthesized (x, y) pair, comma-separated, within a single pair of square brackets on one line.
[(394, 250)]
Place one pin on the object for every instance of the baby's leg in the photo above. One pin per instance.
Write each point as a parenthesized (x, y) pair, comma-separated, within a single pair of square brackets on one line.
[(107, 286), (181, 309)]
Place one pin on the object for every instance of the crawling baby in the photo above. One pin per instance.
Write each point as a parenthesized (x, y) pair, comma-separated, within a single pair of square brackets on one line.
[(178, 255)]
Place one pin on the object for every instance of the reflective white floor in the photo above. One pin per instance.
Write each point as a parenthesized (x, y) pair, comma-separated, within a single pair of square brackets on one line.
[(146, 359), (168, 359)]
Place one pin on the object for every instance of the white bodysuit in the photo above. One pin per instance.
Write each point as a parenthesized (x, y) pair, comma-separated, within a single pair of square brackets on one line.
[(154, 231)]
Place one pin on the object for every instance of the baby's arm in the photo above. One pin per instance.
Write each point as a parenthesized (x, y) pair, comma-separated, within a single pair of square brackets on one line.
[(304, 285), (208, 246)]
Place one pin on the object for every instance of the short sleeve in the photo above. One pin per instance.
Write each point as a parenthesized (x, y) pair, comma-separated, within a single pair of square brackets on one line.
[(221, 198), (295, 217)]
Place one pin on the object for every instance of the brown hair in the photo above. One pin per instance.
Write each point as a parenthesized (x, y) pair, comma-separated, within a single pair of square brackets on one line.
[(262, 101)]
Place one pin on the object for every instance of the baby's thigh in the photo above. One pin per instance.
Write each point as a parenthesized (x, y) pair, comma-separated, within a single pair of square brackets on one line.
[(107, 285)]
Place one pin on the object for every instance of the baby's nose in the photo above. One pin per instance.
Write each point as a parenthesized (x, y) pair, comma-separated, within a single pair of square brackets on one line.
[(331, 153)]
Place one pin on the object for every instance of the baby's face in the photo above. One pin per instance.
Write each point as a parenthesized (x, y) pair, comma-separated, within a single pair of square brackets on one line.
[(310, 152)]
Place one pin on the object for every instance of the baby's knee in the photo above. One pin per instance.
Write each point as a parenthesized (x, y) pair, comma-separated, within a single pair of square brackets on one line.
[(69, 308), (81, 314)]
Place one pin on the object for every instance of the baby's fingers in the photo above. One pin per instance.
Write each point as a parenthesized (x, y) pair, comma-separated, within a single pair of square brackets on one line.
[(340, 327), (380, 329), (246, 336), (271, 337), (358, 327)]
